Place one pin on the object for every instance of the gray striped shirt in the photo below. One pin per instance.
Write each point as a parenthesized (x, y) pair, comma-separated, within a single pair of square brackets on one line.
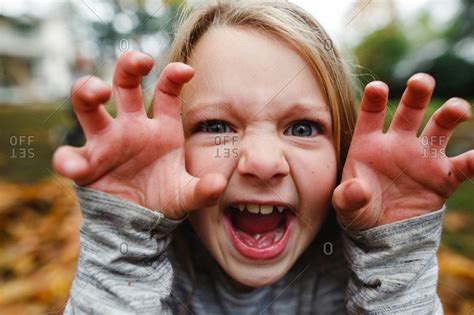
[(130, 263)]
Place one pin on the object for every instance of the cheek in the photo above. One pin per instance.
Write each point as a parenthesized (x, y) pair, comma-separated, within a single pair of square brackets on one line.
[(315, 176)]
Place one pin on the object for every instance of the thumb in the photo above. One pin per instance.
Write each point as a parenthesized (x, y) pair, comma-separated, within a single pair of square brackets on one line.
[(352, 202), (203, 192), (71, 162)]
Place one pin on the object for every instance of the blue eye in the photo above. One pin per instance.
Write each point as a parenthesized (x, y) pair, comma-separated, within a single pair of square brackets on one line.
[(213, 126), (303, 128)]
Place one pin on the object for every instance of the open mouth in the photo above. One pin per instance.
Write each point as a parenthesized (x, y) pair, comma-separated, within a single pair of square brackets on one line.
[(259, 231)]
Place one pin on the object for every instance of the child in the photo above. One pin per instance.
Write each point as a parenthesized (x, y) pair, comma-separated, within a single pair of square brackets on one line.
[(246, 162)]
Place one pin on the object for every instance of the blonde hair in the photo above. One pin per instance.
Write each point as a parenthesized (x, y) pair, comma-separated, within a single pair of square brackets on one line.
[(288, 23)]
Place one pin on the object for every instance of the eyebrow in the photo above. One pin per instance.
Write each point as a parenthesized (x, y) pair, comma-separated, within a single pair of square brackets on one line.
[(210, 106), (305, 108), (302, 108)]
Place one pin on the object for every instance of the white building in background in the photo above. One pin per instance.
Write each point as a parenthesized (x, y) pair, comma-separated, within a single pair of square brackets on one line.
[(46, 45), (36, 57)]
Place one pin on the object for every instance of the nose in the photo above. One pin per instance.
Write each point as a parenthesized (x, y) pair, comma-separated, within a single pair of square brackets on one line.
[(263, 158)]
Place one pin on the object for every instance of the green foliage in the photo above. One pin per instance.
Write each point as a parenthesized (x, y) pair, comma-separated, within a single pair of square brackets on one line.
[(453, 71), (44, 125), (463, 25), (380, 51), (455, 76), (396, 51), (148, 23)]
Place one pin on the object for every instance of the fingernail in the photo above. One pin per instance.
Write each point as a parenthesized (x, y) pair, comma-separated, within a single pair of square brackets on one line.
[(378, 84), (139, 57), (96, 85), (425, 77), (184, 67), (418, 76), (456, 102)]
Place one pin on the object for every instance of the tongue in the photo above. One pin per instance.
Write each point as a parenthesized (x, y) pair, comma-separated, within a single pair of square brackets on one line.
[(260, 240), (257, 223)]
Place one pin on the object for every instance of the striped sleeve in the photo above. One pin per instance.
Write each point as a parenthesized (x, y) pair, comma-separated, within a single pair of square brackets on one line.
[(394, 267), (123, 266)]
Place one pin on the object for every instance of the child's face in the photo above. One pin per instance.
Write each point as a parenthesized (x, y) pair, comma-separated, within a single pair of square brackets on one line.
[(272, 141)]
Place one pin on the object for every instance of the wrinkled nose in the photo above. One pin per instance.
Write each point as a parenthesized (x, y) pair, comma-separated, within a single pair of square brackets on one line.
[(262, 157)]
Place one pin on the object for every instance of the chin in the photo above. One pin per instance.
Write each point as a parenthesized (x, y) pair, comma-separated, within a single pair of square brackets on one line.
[(258, 275)]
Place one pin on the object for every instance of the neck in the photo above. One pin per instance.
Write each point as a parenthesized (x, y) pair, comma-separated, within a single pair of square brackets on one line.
[(237, 286)]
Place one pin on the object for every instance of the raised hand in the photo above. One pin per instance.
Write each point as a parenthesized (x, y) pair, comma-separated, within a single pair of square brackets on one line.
[(134, 157), (396, 175)]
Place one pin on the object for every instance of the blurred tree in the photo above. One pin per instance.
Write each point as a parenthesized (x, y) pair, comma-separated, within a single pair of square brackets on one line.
[(385, 44), (454, 74), (134, 24), (463, 23), (454, 69), (394, 51), (380, 51)]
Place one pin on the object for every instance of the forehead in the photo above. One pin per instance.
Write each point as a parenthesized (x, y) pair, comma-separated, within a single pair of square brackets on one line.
[(245, 67)]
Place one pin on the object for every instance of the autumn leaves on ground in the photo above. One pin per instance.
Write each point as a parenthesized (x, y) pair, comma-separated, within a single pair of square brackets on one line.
[(39, 246)]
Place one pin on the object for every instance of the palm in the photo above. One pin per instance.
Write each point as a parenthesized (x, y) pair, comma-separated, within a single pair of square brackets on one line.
[(142, 160), (397, 174), (396, 170), (135, 157)]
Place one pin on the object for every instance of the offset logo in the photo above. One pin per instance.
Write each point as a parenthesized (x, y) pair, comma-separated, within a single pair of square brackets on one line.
[(21, 147)]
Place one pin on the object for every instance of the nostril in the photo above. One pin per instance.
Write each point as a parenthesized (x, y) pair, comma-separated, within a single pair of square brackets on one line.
[(262, 167)]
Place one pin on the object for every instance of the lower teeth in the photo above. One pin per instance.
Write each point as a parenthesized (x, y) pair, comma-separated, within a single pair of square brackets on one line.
[(279, 233)]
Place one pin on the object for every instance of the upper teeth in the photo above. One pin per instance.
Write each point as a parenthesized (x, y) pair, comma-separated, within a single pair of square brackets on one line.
[(263, 209)]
